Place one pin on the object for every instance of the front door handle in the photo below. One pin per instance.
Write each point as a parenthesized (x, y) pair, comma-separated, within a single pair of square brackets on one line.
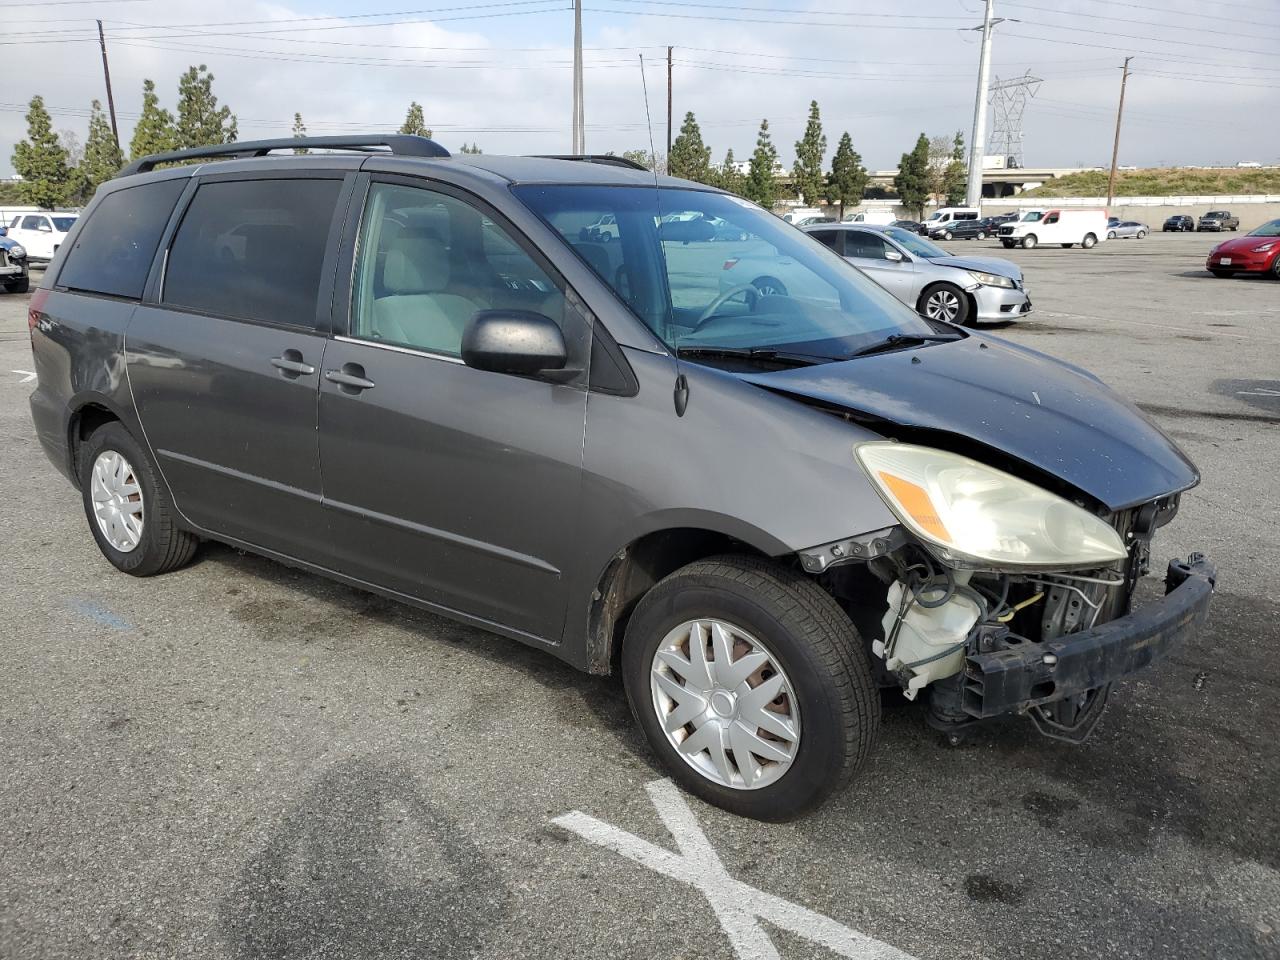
[(290, 361), (350, 379)]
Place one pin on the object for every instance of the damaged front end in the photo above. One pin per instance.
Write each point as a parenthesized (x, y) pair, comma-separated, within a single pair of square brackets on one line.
[(999, 597)]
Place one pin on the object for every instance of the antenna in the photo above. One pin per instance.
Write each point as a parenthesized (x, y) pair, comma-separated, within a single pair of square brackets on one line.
[(682, 389), (653, 156)]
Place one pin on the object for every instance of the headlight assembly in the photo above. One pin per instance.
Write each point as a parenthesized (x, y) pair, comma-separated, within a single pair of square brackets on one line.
[(973, 515), (17, 251), (991, 279)]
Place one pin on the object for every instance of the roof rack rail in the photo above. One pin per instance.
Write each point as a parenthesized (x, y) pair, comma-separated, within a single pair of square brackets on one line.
[(399, 144), (606, 158)]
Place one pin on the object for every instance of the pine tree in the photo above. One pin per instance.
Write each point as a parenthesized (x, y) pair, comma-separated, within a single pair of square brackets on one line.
[(690, 158), (201, 122), (730, 179), (474, 148), (760, 184), (912, 181), (299, 131), (102, 159), (41, 160), (848, 175), (154, 132), (415, 124), (955, 181), (811, 150)]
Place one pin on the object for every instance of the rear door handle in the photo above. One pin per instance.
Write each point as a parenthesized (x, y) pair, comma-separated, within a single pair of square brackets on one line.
[(350, 378), (290, 361)]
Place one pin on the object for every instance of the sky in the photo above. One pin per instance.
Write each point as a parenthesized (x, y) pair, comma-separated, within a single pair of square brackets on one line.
[(1204, 86)]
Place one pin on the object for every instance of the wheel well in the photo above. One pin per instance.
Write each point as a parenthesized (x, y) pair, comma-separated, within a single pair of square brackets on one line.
[(83, 423), (630, 575)]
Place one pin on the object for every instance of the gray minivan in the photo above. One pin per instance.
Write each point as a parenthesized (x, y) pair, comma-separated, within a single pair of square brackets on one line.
[(757, 502)]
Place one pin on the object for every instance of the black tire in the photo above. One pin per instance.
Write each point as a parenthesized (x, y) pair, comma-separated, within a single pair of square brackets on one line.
[(1141, 234), (19, 286), (1088, 242), (1111, 234), (817, 648), (163, 546), (980, 235), (947, 235), (964, 308), (1275, 268), (770, 287), (1029, 241), (1221, 274), (1008, 244)]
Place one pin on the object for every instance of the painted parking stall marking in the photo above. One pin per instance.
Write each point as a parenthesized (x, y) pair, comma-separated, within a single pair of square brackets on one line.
[(738, 906), (25, 376)]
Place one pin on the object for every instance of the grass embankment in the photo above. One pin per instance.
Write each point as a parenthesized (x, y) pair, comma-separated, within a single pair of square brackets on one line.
[(1163, 183)]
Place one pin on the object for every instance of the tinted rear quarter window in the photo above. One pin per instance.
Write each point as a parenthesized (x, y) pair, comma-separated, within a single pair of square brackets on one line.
[(253, 249), (114, 249)]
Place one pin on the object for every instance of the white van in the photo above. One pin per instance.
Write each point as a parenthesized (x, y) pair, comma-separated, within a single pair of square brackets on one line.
[(938, 221), (879, 215), (1063, 227)]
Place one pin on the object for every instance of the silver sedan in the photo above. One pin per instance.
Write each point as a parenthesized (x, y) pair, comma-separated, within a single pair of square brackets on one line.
[(1126, 229), (924, 276)]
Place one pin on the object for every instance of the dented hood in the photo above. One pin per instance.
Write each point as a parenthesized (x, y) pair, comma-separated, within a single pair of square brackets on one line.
[(986, 391)]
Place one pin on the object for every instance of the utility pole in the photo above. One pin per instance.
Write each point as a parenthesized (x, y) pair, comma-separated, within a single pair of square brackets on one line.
[(1115, 147), (668, 105), (106, 73), (579, 126), (973, 193)]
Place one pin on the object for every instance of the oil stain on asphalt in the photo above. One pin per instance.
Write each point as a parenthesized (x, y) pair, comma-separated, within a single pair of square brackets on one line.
[(364, 866)]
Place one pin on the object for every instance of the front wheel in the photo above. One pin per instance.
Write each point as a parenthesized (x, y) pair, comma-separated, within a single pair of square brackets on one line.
[(1088, 241), (1008, 244), (1029, 241), (19, 286), (944, 301), (751, 685), (1275, 268), (947, 235), (980, 235), (129, 512)]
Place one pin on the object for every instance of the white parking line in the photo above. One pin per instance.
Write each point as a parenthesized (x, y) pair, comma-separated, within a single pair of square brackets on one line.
[(738, 906), (27, 375)]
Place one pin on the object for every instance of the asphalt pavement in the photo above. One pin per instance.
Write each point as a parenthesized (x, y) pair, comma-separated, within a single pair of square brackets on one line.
[(239, 760)]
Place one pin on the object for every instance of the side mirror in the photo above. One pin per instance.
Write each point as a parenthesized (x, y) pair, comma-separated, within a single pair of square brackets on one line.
[(893, 256), (513, 341)]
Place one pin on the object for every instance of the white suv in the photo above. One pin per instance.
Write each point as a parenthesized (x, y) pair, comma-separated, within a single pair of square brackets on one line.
[(41, 233)]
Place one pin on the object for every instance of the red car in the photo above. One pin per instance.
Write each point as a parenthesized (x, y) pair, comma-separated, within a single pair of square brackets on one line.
[(1256, 252)]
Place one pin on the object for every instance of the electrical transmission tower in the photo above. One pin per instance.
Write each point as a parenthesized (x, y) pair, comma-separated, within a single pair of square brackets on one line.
[(1008, 101)]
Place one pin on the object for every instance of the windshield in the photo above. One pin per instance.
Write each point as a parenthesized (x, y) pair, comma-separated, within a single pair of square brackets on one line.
[(914, 243), (933, 216), (758, 285), (63, 224), (1032, 216), (1270, 229)]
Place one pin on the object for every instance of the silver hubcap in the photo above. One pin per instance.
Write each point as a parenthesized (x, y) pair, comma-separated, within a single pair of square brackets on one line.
[(117, 500), (942, 305), (725, 704)]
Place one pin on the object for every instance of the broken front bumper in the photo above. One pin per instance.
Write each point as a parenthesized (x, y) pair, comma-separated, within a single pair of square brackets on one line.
[(1012, 680)]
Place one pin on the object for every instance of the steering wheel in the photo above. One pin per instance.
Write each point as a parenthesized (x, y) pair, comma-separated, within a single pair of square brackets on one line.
[(720, 301)]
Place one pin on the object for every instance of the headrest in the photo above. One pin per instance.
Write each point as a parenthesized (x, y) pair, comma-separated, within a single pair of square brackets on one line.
[(415, 265), (595, 256)]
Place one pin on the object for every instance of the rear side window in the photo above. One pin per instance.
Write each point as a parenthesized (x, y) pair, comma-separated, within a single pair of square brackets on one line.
[(253, 250), (830, 238), (115, 247)]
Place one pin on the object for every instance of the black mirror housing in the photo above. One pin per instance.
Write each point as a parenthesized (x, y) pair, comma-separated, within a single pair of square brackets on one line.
[(513, 341)]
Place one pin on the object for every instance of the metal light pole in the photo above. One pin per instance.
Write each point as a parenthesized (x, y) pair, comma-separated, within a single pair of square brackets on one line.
[(579, 126), (977, 144)]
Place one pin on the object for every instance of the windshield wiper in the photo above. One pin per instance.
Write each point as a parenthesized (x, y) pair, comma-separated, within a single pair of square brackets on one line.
[(898, 340), (751, 354)]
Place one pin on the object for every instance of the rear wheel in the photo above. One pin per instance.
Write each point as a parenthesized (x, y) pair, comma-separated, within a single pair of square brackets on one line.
[(129, 513), (751, 685), (1088, 241), (944, 301), (1029, 241), (980, 235)]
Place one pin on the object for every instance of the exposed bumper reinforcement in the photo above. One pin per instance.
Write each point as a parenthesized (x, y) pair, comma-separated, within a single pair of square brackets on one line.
[(1008, 681)]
